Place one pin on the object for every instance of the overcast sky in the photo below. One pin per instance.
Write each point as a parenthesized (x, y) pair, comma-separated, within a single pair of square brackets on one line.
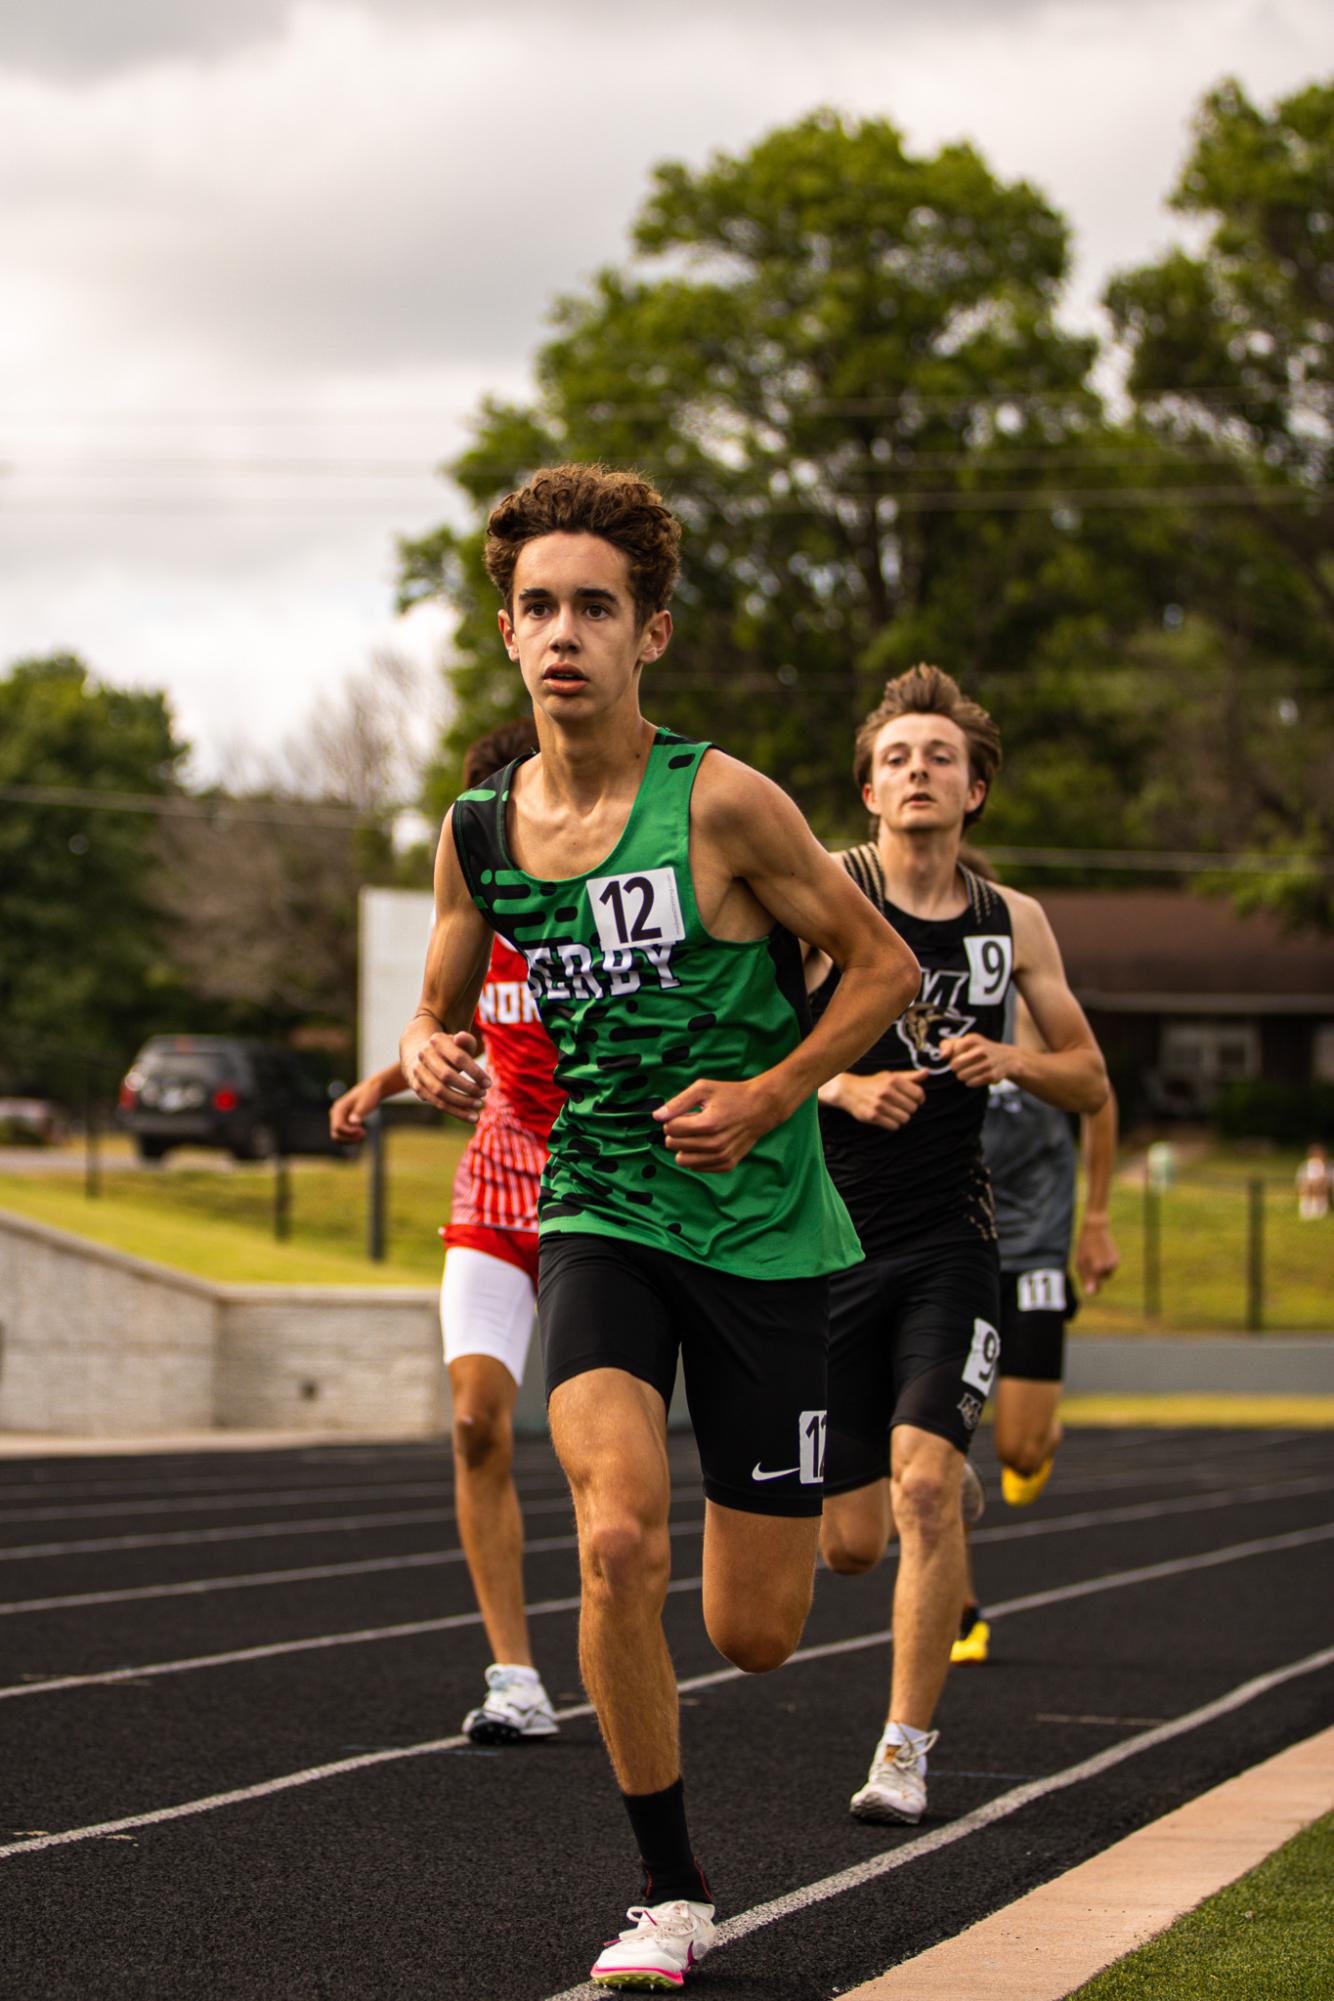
[(261, 259)]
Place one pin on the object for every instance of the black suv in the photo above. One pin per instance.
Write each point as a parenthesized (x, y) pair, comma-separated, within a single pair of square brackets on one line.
[(254, 1098)]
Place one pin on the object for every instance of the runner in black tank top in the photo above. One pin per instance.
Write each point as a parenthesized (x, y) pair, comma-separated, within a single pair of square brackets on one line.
[(914, 1329)]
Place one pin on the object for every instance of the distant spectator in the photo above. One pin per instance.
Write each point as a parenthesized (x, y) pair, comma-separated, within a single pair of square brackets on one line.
[(1315, 1184)]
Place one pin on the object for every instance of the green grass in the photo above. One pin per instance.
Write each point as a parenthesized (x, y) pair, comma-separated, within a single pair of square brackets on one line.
[(219, 1224), (1203, 1226), (1269, 1937)]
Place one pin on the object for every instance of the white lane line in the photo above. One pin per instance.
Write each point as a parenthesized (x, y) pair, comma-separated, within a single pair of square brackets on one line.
[(201, 1586), (291, 1497), (320, 1643), (997, 1809), (311, 1775), (249, 1531), (408, 1518), (1141, 1511), (368, 1635)]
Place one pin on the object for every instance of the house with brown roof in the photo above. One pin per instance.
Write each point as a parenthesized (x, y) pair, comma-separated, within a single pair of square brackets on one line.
[(1186, 994)]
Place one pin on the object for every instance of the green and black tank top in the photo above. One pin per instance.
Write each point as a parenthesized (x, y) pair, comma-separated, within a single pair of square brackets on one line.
[(640, 1000)]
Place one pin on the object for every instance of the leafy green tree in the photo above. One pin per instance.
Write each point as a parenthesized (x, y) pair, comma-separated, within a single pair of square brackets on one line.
[(1231, 355), (827, 351), (80, 946)]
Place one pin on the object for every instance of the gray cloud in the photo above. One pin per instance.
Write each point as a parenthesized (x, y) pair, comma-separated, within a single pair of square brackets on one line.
[(89, 39)]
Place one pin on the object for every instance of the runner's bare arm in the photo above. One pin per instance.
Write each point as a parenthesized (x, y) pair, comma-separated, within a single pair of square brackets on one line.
[(1069, 1072), (752, 829), (437, 1051), (1096, 1255), (348, 1115)]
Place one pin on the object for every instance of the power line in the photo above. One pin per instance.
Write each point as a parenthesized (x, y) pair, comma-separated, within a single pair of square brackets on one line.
[(1164, 861), (1019, 500), (1080, 397), (172, 806)]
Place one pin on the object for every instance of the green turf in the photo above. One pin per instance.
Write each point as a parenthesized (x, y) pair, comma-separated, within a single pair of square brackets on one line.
[(1269, 1937), (1203, 1224), (219, 1225)]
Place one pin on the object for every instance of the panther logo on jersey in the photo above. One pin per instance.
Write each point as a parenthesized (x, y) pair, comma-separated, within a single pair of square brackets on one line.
[(933, 1018)]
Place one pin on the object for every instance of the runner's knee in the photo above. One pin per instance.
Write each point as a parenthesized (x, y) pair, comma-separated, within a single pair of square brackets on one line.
[(851, 1548), (757, 1644), (926, 1500), (626, 1556), (483, 1434)]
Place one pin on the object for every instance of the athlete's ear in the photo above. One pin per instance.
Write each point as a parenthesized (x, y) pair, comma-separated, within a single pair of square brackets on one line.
[(653, 640), (977, 793), (505, 623), (868, 797)]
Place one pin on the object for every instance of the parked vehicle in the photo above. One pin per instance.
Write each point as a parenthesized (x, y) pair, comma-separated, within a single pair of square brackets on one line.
[(255, 1099)]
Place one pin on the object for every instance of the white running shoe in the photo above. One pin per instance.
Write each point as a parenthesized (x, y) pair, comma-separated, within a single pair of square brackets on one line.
[(972, 1495), (895, 1786), (663, 1944), (516, 1706)]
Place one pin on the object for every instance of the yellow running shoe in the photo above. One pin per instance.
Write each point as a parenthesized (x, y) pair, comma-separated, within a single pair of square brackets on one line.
[(1020, 1489), (972, 1645)]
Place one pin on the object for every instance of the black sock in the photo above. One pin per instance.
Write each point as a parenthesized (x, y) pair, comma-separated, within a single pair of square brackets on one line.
[(968, 1619), (670, 1870)]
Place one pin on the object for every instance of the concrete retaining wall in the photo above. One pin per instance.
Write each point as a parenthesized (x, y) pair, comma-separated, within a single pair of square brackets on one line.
[(1197, 1364), (98, 1343)]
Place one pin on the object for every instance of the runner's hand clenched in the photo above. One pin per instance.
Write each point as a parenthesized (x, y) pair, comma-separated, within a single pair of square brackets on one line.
[(443, 1073), (711, 1126)]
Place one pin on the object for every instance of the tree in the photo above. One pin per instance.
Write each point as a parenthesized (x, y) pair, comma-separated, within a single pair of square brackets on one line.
[(828, 351), (80, 939), (1231, 360), (274, 869)]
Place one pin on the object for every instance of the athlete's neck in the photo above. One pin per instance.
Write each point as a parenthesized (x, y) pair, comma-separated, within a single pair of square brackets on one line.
[(921, 871), (582, 769)]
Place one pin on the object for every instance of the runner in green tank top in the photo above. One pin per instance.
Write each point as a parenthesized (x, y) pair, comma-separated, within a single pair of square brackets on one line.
[(657, 888)]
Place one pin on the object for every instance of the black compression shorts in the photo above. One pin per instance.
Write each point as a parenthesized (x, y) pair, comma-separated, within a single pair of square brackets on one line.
[(753, 1351), (912, 1340), (1035, 1307)]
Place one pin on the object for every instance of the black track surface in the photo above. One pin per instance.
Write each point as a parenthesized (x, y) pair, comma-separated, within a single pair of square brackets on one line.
[(494, 1875)]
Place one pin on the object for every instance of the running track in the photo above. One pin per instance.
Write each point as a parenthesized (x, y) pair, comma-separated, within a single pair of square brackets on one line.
[(230, 1687)]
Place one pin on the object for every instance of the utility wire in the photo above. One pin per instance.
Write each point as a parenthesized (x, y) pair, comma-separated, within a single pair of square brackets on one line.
[(1001, 500), (1166, 861)]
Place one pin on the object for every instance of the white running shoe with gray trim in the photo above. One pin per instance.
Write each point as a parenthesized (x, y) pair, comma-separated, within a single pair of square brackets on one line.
[(516, 1706), (895, 1786), (663, 1944)]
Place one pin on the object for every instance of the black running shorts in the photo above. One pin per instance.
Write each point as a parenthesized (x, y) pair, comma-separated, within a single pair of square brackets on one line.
[(1035, 1307), (913, 1339), (753, 1351)]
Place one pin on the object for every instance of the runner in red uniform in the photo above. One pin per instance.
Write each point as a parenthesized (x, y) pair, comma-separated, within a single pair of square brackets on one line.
[(488, 1295)]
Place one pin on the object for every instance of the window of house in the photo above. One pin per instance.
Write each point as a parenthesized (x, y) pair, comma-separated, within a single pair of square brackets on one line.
[(1211, 1052)]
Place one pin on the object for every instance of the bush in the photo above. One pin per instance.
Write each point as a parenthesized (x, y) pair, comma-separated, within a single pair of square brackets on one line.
[(1292, 1114)]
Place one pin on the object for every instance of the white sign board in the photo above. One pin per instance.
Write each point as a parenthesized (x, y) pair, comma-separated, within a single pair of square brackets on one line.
[(395, 930)]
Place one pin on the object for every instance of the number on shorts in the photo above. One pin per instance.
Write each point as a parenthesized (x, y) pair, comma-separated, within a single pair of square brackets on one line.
[(1042, 1292), (813, 1424), (980, 1369)]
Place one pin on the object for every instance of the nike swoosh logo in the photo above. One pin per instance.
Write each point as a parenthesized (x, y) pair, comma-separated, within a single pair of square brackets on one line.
[(779, 1473)]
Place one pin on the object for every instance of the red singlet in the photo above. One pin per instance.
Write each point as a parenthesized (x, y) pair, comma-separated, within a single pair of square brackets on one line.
[(494, 1207)]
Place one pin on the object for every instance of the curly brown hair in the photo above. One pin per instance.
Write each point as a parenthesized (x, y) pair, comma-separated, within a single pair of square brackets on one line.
[(590, 500), (498, 747), (930, 691)]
